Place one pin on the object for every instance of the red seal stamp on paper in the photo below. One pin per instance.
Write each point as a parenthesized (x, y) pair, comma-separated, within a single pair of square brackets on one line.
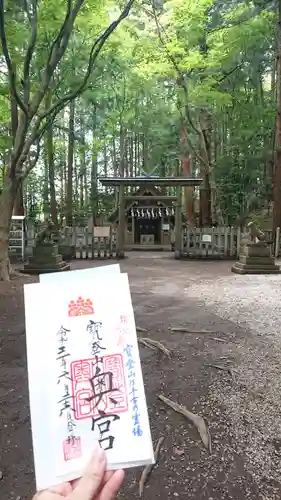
[(80, 307), (98, 385), (72, 448)]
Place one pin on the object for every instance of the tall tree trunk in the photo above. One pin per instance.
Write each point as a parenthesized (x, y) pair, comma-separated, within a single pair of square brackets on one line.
[(18, 208), (121, 216), (138, 155), (70, 157), (49, 145), (131, 156), (144, 152), (277, 155), (105, 163), (62, 176), (82, 163), (19, 203), (94, 194), (115, 168), (114, 158), (51, 165), (7, 200), (94, 171), (186, 170), (205, 151), (76, 189), (45, 194)]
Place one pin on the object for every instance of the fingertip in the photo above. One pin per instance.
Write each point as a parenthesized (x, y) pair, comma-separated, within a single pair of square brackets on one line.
[(102, 455), (98, 456), (108, 474), (113, 485), (90, 482), (121, 474)]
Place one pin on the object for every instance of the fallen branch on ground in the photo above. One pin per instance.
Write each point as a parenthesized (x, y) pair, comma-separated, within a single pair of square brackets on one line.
[(224, 369), (182, 329), (154, 344), (219, 340), (149, 468), (141, 330), (195, 419), (145, 344)]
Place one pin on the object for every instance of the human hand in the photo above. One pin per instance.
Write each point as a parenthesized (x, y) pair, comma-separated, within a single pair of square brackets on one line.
[(95, 484)]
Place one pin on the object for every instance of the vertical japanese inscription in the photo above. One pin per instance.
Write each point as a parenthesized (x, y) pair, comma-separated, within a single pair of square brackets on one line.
[(98, 386), (72, 443), (93, 329), (101, 387), (133, 391)]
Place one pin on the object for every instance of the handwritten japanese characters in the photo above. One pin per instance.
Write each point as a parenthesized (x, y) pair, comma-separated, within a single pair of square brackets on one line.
[(103, 422), (98, 385), (90, 386), (136, 428), (93, 329), (72, 443)]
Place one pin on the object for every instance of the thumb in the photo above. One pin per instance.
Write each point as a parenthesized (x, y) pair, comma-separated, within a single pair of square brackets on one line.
[(91, 480)]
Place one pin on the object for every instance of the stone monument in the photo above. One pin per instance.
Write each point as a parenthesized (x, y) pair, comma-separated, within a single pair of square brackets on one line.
[(46, 258), (255, 254)]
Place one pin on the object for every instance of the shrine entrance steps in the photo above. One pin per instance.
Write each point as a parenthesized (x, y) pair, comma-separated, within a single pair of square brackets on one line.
[(148, 248)]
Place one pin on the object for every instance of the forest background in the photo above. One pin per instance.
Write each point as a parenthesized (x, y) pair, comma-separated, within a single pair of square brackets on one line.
[(175, 87)]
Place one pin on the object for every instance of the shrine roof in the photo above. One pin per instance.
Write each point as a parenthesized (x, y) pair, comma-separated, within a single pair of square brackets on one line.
[(150, 193), (150, 180)]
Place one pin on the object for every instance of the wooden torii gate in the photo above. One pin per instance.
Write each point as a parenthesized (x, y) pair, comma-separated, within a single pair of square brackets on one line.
[(122, 182)]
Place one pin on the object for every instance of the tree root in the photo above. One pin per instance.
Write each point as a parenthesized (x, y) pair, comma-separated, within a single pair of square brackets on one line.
[(16, 274), (154, 344), (195, 419), (7, 272), (182, 329), (224, 369), (5, 269), (140, 329), (149, 468), (219, 340)]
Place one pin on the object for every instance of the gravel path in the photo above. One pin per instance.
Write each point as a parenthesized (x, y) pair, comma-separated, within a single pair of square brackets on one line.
[(250, 301), (233, 321), (252, 401)]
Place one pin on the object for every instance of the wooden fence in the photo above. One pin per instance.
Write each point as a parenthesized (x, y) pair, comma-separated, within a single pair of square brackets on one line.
[(221, 242), (98, 243), (197, 243)]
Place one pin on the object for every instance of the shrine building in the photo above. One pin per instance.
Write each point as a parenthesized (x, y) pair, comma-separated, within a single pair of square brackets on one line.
[(147, 217)]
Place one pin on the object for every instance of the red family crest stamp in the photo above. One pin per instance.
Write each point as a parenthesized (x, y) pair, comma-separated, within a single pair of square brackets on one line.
[(80, 307), (72, 448), (98, 385)]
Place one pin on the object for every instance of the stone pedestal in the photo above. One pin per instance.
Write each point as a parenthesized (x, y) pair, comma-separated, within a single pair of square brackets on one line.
[(45, 259), (255, 258)]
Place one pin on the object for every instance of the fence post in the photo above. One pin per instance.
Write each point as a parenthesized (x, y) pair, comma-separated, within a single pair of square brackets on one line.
[(213, 242), (226, 250), (232, 241), (277, 242), (238, 241), (87, 242), (111, 241)]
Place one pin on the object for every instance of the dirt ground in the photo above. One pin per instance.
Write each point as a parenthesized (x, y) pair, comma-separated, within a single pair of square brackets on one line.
[(186, 468)]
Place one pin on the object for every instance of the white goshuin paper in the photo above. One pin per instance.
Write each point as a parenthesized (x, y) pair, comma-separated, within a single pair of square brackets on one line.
[(46, 310), (78, 274)]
